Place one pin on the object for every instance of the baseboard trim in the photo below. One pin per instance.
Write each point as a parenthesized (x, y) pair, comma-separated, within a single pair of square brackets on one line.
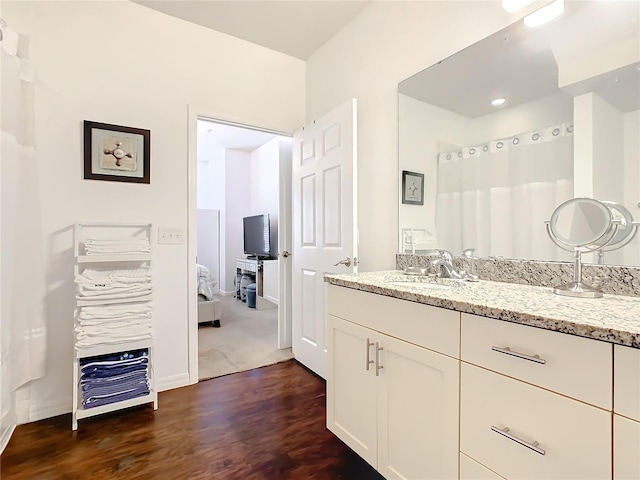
[(6, 436), (49, 409), (271, 299), (175, 381), (62, 406)]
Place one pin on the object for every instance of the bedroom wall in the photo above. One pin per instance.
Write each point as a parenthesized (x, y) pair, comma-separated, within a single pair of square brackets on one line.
[(386, 43), (238, 167), (265, 181), (119, 62)]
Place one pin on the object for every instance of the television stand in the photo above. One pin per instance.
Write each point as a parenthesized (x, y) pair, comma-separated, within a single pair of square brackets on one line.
[(251, 269)]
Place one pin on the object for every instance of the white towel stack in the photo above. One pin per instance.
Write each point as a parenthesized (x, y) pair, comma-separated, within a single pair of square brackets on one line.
[(112, 324), (120, 247), (96, 284)]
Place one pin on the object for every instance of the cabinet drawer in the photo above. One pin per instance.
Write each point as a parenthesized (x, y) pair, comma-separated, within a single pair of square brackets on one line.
[(472, 470), (626, 445), (430, 327), (574, 437), (626, 394), (574, 366)]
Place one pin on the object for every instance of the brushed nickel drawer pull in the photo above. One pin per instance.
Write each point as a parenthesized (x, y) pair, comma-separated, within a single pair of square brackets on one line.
[(524, 356), (369, 345), (378, 366), (505, 432)]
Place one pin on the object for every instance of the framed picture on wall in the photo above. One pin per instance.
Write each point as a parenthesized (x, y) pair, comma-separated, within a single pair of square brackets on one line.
[(116, 153), (412, 188)]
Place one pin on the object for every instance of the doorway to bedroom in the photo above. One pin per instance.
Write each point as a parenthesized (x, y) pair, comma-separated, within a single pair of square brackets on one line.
[(237, 179)]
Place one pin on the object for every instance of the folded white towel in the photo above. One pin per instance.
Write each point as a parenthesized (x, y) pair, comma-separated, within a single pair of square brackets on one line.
[(101, 290), (115, 311), (129, 275), (122, 246), (113, 296), (100, 342)]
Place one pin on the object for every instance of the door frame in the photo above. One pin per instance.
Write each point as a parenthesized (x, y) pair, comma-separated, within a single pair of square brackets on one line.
[(194, 112)]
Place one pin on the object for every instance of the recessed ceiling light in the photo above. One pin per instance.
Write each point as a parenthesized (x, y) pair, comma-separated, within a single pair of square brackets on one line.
[(515, 5), (496, 102), (209, 131), (545, 14)]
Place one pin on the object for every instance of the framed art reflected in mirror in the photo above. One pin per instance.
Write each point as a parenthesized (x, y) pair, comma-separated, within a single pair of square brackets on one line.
[(412, 188)]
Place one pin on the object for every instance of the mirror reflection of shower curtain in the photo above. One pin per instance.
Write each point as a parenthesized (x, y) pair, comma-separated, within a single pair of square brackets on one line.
[(495, 197), (22, 286)]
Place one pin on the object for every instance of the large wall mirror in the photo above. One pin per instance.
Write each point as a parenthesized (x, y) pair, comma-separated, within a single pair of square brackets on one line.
[(568, 127)]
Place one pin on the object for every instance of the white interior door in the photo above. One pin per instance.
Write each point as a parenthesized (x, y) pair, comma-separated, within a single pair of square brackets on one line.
[(324, 224), (284, 248)]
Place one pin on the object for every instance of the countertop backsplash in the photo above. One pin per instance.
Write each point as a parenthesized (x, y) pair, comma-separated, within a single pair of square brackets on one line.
[(610, 279)]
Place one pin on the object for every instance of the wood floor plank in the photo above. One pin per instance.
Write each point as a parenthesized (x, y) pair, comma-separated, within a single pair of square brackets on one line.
[(267, 423)]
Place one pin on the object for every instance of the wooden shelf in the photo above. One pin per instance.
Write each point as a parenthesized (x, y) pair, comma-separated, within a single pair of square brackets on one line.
[(133, 257), (82, 412)]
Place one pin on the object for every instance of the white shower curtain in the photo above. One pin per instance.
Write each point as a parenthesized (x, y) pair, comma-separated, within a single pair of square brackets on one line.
[(495, 196), (22, 284)]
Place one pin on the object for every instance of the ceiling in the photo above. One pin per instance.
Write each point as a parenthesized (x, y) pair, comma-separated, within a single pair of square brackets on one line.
[(297, 28), (232, 137)]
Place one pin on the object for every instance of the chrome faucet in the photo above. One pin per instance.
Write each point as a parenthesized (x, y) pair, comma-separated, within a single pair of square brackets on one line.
[(445, 269), (443, 263)]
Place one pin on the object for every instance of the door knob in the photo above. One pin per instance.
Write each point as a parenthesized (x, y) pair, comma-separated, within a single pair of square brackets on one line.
[(346, 262), (285, 254)]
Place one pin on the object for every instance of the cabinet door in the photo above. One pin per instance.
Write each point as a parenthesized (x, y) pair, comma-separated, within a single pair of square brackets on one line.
[(626, 381), (351, 388), (418, 393), (626, 445)]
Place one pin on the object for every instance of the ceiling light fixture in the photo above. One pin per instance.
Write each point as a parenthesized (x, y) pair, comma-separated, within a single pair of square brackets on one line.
[(515, 5), (545, 14), (496, 102)]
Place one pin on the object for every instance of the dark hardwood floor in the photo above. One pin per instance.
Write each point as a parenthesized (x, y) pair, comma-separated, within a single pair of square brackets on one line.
[(267, 423)]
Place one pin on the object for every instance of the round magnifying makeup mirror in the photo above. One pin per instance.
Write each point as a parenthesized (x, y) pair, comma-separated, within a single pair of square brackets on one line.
[(582, 225), (581, 221)]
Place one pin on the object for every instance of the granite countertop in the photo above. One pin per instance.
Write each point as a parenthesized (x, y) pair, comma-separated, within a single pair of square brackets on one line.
[(613, 318)]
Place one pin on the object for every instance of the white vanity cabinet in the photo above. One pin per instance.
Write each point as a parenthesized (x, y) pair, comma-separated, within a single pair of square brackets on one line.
[(535, 403), (626, 418), (394, 401)]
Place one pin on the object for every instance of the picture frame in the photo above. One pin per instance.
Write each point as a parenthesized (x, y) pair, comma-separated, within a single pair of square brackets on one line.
[(412, 188), (116, 153)]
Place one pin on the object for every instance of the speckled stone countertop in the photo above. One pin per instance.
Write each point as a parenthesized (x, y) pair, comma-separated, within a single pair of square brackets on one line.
[(613, 318)]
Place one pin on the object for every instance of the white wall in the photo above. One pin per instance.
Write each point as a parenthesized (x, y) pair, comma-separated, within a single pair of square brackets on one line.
[(210, 175), (121, 63), (265, 184), (386, 43), (237, 206), (424, 131)]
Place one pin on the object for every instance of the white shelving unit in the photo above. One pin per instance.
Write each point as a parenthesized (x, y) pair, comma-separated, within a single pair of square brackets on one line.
[(85, 230)]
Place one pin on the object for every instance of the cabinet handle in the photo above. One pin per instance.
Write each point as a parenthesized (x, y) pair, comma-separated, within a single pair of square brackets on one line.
[(524, 356), (369, 345), (378, 366), (505, 432)]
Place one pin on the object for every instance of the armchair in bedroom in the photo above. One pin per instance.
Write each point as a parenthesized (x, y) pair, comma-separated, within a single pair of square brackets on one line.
[(208, 305)]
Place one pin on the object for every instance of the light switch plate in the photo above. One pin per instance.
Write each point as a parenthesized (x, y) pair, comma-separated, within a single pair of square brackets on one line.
[(170, 236)]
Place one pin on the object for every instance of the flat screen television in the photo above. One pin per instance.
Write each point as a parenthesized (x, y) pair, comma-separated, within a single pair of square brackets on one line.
[(257, 236)]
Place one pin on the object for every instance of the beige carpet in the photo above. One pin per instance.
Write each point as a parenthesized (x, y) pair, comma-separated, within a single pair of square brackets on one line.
[(247, 339)]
